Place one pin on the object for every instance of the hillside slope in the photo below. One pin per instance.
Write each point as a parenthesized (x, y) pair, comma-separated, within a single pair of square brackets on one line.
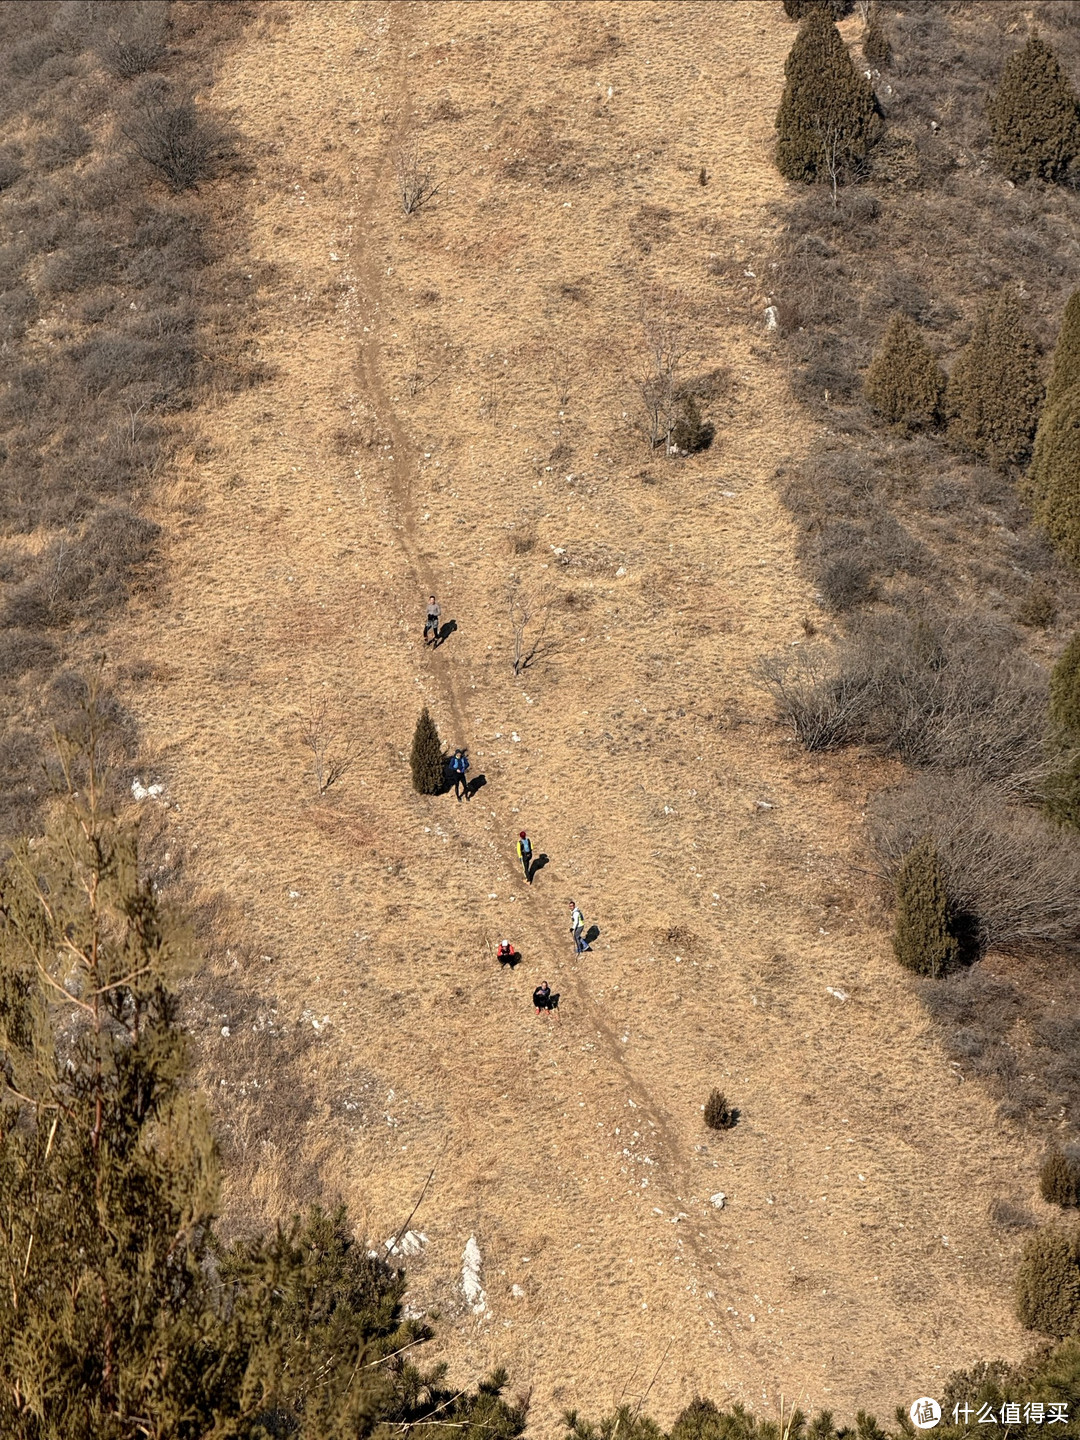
[(454, 406)]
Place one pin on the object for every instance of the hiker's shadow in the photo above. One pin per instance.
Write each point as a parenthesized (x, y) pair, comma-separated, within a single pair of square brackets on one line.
[(537, 864), (476, 783), (593, 933), (444, 630)]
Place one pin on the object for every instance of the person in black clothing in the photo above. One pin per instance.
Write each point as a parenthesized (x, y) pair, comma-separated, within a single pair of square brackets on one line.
[(524, 850), (459, 764), (542, 997)]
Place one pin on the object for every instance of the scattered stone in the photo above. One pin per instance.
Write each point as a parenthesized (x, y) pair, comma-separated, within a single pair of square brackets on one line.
[(836, 994), (772, 318), (516, 1292), (140, 791), (470, 1277), (411, 1243), (717, 1200)]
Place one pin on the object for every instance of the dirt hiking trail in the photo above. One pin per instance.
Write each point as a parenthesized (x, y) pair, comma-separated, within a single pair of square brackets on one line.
[(453, 409)]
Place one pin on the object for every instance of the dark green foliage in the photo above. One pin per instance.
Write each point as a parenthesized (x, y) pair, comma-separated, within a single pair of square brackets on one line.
[(923, 939), (1065, 367), (704, 1420), (875, 43), (1065, 690), (828, 118), (427, 761), (1053, 480), (905, 384), (690, 432), (1061, 794), (1047, 1284), (1059, 1179), (120, 1315), (719, 1115), (834, 9), (995, 389), (1039, 607), (1033, 116)]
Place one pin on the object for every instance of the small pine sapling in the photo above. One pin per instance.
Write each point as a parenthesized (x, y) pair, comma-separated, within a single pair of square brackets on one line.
[(427, 761), (923, 940)]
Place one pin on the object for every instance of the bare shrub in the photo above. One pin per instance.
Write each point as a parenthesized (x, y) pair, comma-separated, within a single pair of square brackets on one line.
[(419, 180), (664, 354), (324, 732), (1015, 877), (64, 146), (529, 611), (1008, 1215), (11, 166), (135, 43), (719, 1113), (955, 698), (169, 132)]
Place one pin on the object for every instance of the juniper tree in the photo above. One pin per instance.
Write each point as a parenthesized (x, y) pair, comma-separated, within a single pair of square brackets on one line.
[(1065, 691), (427, 762), (828, 117), (834, 9), (995, 389), (1053, 480), (1061, 789), (875, 43), (923, 940), (1047, 1283), (1059, 1179), (1065, 366), (1034, 116), (905, 383)]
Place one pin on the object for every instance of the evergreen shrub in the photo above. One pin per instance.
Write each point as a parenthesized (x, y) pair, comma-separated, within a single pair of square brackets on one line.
[(1047, 1285), (1034, 116), (427, 761), (905, 384), (719, 1115), (1059, 1179), (995, 389), (923, 940), (828, 116)]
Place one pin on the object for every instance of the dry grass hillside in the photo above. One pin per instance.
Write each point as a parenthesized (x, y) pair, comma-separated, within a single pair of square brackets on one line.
[(453, 408)]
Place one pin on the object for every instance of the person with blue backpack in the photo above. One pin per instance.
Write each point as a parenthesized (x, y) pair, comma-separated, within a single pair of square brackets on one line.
[(459, 765)]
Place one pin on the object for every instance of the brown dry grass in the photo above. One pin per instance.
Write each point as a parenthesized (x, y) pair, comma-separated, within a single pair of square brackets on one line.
[(420, 370)]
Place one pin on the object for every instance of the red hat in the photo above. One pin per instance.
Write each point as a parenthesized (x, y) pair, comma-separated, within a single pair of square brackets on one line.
[(521, 834)]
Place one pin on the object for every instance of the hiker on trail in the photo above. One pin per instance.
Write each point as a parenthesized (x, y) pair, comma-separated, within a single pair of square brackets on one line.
[(506, 954), (542, 998), (577, 929), (459, 764), (524, 850), (432, 621)]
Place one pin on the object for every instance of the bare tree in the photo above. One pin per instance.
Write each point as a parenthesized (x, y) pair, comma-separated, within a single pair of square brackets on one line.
[(323, 731), (529, 612), (665, 352), (418, 180)]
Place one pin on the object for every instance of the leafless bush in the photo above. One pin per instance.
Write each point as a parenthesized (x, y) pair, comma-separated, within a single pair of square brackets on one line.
[(65, 145), (948, 699), (324, 731), (11, 166), (136, 42), (664, 354), (419, 180), (169, 132), (1013, 873), (529, 611)]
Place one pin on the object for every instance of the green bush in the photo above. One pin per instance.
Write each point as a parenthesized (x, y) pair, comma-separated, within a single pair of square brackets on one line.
[(719, 1115), (1033, 116), (1047, 1285), (1059, 1179), (828, 116), (427, 761), (1053, 480), (1065, 690), (875, 43), (923, 939), (1065, 366), (1061, 794), (995, 389), (905, 384)]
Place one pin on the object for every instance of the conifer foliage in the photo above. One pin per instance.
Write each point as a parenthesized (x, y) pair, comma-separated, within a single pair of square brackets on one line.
[(427, 760), (1048, 1282), (828, 116), (923, 939), (1054, 477), (1034, 116), (1059, 1179), (1065, 691), (835, 9), (1065, 366), (1061, 789), (905, 383), (995, 389), (875, 43)]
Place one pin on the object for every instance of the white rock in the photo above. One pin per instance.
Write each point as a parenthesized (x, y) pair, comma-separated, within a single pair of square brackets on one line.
[(140, 791), (470, 1277), (836, 994), (718, 1199), (517, 1292), (620, 572), (772, 318)]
